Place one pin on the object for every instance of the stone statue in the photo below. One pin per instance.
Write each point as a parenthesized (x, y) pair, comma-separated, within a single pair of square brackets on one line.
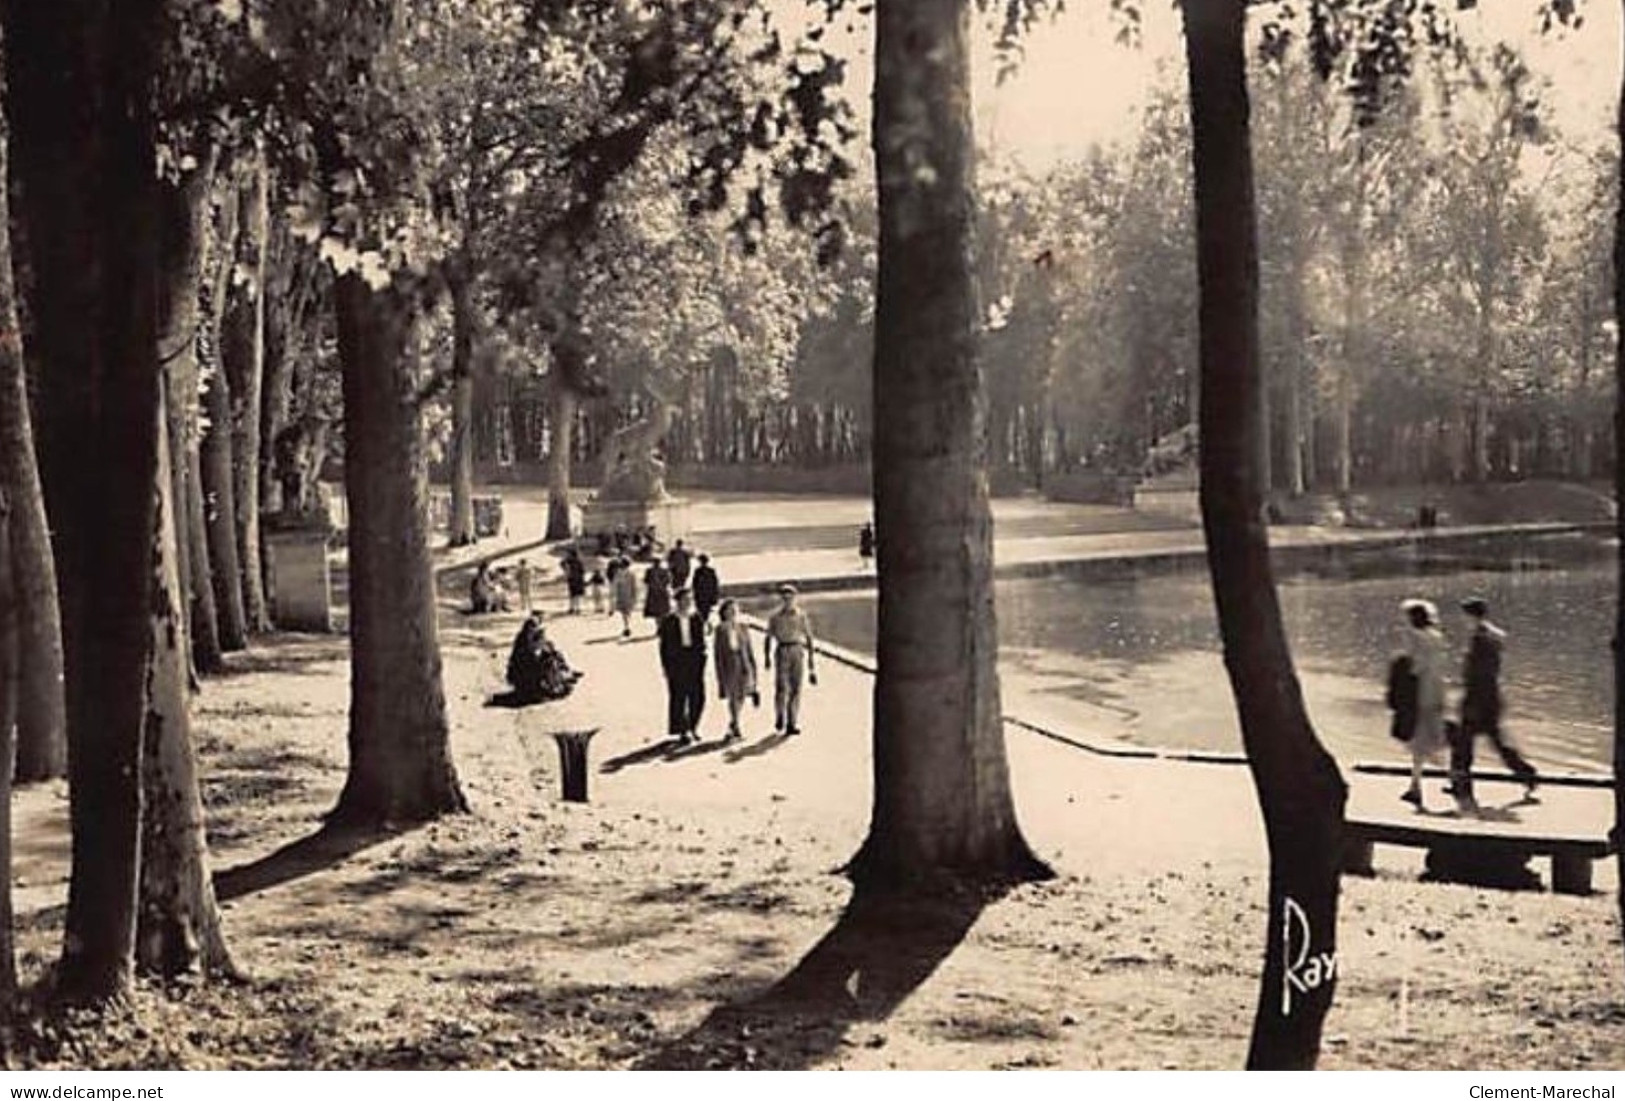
[(632, 469)]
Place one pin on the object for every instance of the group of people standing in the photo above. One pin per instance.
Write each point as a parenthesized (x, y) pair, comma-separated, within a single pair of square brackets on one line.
[(1416, 695), (682, 634)]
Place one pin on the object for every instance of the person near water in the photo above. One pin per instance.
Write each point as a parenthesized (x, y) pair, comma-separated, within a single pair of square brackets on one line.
[(1425, 646), (735, 664), (866, 543), (790, 639), (1481, 705)]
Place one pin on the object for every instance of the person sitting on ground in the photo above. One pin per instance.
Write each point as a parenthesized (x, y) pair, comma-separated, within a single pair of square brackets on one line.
[(536, 668)]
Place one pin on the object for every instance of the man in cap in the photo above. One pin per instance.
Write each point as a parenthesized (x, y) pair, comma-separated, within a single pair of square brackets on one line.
[(789, 632), (1481, 704)]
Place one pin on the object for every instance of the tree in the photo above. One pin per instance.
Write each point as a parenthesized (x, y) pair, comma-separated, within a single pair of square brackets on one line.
[(242, 357), (1299, 788), (400, 755), (216, 448), (39, 705), (80, 74), (942, 802), (10, 671), (179, 924)]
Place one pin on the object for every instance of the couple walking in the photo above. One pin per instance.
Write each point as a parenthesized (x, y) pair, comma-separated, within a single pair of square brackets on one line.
[(1417, 696), (682, 658)]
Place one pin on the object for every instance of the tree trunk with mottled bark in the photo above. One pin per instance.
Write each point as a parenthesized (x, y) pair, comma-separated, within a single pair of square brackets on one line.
[(562, 414), (215, 448), (1299, 788), (943, 809), (178, 929), (242, 355), (463, 532), (400, 754)]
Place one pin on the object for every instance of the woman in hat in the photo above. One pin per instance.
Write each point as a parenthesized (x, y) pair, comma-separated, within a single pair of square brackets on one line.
[(1425, 646)]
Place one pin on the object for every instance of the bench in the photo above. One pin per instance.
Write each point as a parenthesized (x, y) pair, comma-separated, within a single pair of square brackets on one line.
[(1568, 824), (1571, 857)]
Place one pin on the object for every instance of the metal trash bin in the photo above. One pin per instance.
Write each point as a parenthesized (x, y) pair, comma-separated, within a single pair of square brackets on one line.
[(573, 762)]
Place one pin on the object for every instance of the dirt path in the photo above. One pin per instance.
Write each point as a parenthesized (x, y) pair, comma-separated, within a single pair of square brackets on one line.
[(657, 925)]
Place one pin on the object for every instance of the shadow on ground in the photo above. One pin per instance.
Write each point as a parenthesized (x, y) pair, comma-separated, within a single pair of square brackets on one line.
[(308, 855), (879, 952)]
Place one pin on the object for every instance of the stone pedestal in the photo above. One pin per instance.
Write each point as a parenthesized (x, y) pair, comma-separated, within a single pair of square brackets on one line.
[(300, 582), (669, 517)]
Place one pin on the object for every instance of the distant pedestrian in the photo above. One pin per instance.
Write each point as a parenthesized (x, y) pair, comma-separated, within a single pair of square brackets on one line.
[(575, 579), (523, 576), (735, 663), (789, 637), (679, 562), (657, 589), (596, 584), (1425, 646), (707, 588), (625, 585), (1481, 704), (866, 544), (682, 659)]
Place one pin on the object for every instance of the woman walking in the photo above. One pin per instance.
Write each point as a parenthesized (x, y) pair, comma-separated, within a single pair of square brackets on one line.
[(1425, 646), (657, 588), (624, 584), (736, 665)]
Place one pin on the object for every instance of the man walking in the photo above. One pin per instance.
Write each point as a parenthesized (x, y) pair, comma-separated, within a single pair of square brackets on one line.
[(1481, 704), (682, 657), (789, 633), (707, 588)]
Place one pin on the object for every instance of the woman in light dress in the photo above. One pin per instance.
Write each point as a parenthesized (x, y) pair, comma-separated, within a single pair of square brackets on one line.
[(1425, 645)]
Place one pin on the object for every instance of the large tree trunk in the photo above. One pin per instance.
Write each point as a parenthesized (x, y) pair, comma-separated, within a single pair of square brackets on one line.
[(242, 355), (40, 707), (1299, 788), (942, 803), (400, 757), (181, 244), (219, 491), (562, 413), (80, 74), (463, 532), (179, 926)]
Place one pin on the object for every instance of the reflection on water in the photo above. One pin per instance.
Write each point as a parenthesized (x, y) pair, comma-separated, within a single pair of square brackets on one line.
[(1138, 658)]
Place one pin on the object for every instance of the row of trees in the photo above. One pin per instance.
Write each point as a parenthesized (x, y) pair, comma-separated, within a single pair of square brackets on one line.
[(1432, 296)]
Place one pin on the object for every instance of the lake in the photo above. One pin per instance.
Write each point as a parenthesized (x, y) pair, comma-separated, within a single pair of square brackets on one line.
[(1136, 658)]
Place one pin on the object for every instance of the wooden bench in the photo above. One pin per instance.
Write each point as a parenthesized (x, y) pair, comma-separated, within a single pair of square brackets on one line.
[(1569, 824), (1570, 857)]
